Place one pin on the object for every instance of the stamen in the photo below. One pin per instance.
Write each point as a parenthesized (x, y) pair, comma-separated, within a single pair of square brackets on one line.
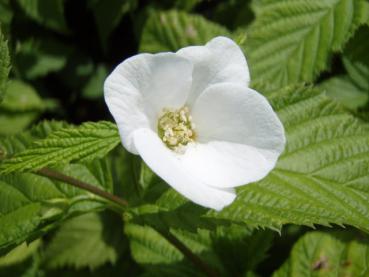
[(176, 129)]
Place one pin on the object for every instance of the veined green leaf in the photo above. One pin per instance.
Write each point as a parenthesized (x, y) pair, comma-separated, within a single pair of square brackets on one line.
[(321, 178), (356, 58), (45, 12), (345, 91), (292, 40), (328, 255), (89, 240), (30, 204), (83, 143), (4, 64), (171, 30), (232, 251)]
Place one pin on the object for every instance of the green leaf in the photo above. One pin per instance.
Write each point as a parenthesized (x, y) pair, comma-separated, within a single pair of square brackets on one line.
[(108, 15), (4, 64), (345, 91), (6, 14), (321, 177), (356, 58), (171, 30), (83, 143), (37, 58), (90, 240), (328, 254), (160, 258), (45, 12), (292, 41), (19, 254), (233, 13), (20, 107), (232, 250), (31, 205), (93, 89)]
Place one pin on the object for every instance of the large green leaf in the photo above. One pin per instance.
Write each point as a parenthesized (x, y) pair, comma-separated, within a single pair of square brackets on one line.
[(321, 178), (45, 12), (4, 64), (171, 30), (83, 143), (328, 255), (30, 204), (292, 40), (89, 240)]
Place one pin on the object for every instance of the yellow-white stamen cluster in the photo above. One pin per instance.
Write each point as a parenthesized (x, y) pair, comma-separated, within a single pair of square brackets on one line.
[(175, 128)]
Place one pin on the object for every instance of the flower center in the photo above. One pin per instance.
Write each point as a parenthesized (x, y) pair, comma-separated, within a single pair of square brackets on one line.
[(175, 128)]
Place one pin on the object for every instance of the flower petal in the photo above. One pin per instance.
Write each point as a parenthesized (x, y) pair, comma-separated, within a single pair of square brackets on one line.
[(242, 136), (228, 112), (224, 164), (167, 164), (220, 60), (141, 86)]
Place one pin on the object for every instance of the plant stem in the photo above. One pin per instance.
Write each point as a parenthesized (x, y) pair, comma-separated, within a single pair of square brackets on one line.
[(53, 174), (200, 264)]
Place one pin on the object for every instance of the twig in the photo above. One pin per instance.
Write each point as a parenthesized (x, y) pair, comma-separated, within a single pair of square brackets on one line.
[(200, 264), (53, 174)]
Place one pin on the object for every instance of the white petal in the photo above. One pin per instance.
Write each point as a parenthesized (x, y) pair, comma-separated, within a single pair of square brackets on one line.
[(141, 86), (242, 136), (228, 112), (220, 60), (225, 164), (167, 164)]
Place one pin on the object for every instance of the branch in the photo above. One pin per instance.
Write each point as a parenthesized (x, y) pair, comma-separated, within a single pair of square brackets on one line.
[(47, 172), (200, 264)]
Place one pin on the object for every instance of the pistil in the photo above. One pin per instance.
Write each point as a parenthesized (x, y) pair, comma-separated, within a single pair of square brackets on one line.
[(176, 129)]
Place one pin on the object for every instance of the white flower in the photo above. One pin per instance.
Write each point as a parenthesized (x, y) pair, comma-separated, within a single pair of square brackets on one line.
[(192, 118)]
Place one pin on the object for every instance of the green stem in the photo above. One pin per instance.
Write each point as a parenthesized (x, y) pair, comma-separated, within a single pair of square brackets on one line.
[(53, 174)]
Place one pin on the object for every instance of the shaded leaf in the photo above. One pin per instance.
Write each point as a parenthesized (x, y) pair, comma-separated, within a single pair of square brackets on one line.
[(356, 58), (171, 30), (46, 12), (89, 240), (327, 254), (346, 92), (21, 106), (4, 64)]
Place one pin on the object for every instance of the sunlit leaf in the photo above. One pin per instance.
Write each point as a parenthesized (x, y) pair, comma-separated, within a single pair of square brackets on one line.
[(293, 40)]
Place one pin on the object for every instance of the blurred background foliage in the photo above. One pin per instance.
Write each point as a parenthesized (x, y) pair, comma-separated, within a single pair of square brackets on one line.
[(62, 50)]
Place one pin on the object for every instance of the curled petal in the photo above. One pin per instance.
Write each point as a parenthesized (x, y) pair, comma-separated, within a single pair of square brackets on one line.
[(220, 60), (170, 168), (141, 86)]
